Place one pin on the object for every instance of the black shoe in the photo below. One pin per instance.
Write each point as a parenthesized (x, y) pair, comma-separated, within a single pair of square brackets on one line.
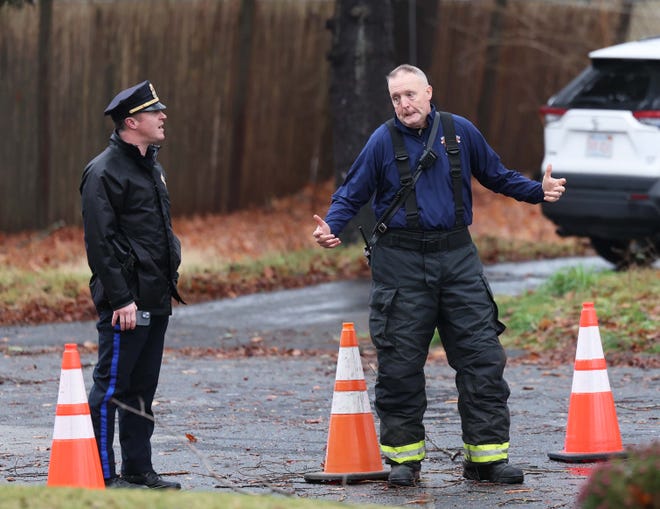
[(499, 472), (151, 480), (119, 483), (404, 474)]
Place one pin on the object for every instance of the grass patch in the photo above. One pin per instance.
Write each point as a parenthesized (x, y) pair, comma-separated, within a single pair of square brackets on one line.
[(204, 274), (48, 286), (274, 271), (37, 497), (627, 305), (493, 249), (289, 263)]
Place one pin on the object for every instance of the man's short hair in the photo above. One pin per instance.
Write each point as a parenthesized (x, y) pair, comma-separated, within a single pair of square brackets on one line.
[(411, 69)]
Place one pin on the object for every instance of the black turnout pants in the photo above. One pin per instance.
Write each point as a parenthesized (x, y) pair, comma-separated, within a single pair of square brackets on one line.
[(412, 294), (127, 370)]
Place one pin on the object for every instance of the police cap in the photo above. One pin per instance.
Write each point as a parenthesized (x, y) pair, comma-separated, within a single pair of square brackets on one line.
[(136, 99)]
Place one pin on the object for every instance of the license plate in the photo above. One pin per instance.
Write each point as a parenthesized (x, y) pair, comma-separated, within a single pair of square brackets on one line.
[(599, 145)]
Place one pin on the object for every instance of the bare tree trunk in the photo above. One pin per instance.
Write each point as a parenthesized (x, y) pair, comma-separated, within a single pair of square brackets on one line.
[(362, 54), (487, 97), (241, 71), (43, 111), (415, 24), (624, 21)]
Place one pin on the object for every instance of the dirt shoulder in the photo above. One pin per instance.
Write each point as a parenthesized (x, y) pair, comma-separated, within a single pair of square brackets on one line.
[(283, 226)]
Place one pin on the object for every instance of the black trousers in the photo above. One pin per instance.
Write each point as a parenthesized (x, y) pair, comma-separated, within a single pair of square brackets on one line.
[(127, 370), (413, 293)]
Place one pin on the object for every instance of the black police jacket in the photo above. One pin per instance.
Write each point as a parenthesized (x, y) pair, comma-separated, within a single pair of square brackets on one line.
[(131, 249)]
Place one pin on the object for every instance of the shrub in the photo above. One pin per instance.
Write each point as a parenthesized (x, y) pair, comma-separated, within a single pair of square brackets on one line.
[(630, 482)]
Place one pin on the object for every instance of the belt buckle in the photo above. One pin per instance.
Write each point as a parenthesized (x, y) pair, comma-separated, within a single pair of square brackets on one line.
[(430, 245)]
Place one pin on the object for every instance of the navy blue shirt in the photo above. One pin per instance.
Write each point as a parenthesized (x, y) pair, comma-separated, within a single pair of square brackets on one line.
[(375, 171)]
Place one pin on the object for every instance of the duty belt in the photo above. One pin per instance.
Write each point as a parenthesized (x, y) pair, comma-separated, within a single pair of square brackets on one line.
[(425, 242)]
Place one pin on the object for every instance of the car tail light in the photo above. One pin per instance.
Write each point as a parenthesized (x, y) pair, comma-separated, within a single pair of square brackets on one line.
[(550, 114), (648, 117)]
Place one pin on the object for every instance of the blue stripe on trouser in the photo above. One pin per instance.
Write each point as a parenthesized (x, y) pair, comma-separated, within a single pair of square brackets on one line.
[(105, 462)]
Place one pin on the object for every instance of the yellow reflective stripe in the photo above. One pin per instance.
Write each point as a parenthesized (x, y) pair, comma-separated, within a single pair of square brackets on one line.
[(148, 103), (401, 454), (486, 453)]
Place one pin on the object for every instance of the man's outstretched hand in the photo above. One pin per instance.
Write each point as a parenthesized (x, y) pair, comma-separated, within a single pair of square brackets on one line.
[(552, 188), (322, 234)]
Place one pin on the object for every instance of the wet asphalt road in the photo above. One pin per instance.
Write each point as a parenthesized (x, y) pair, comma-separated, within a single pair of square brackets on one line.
[(261, 422)]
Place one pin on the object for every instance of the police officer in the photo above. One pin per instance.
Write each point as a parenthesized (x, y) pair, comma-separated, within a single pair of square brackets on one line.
[(134, 257), (429, 276)]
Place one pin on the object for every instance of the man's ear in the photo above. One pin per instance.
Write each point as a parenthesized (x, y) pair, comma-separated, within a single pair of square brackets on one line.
[(130, 122), (429, 91)]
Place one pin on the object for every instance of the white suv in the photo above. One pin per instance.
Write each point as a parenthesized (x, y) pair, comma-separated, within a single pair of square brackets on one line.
[(602, 132)]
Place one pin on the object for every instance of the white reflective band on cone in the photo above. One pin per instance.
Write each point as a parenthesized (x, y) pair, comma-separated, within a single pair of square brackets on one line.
[(590, 381), (589, 345), (349, 365), (350, 402), (73, 426), (72, 387)]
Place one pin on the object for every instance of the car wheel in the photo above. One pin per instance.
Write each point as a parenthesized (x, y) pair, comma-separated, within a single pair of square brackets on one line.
[(627, 253)]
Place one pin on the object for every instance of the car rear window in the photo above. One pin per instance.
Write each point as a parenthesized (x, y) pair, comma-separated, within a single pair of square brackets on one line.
[(620, 85)]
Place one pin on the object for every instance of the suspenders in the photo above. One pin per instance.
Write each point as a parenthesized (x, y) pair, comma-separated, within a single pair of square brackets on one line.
[(453, 153), (406, 192), (405, 177)]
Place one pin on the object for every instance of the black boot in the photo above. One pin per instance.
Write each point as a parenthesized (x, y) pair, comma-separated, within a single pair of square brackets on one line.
[(119, 483), (151, 480), (404, 474), (498, 472)]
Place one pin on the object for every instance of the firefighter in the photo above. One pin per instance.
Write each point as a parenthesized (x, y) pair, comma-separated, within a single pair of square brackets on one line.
[(426, 274)]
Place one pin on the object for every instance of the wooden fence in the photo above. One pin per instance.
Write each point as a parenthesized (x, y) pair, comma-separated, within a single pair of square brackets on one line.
[(246, 85)]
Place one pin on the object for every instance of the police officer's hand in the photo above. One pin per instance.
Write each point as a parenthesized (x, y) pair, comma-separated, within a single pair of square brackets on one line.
[(552, 188), (324, 237), (125, 317)]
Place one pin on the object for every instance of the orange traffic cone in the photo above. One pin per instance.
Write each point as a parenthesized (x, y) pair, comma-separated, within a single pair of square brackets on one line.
[(352, 453), (592, 430), (74, 457)]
